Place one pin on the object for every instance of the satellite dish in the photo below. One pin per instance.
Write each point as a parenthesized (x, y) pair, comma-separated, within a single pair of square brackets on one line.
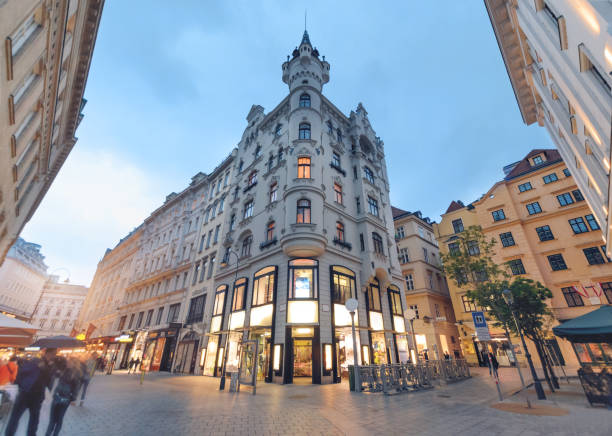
[(351, 304)]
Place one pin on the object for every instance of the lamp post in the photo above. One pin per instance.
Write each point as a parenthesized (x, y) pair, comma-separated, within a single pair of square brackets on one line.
[(351, 305), (507, 294), (410, 315), (224, 263)]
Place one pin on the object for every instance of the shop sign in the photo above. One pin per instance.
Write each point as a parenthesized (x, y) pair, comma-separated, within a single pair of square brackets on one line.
[(80, 336), (480, 324), (124, 338)]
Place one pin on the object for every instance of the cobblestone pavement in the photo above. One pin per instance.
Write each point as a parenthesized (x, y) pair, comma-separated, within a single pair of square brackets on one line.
[(192, 405)]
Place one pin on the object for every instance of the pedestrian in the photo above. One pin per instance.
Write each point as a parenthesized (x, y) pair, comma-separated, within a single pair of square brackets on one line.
[(87, 367), (131, 365), (446, 355), (8, 371), (137, 364), (65, 393), (33, 377), (494, 364)]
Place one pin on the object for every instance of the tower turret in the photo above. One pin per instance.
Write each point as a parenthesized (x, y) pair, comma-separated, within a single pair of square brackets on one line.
[(304, 67)]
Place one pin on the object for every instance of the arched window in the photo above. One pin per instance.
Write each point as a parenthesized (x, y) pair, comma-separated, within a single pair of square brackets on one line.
[(303, 211), (304, 131), (304, 100), (303, 168), (343, 280), (240, 287), (340, 231), (378, 243), (270, 231), (246, 246), (273, 191)]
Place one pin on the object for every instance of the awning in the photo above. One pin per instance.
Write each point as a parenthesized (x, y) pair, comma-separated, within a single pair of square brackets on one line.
[(595, 326), (14, 332)]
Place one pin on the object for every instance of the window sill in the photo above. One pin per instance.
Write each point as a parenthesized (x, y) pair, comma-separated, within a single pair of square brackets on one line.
[(267, 244)]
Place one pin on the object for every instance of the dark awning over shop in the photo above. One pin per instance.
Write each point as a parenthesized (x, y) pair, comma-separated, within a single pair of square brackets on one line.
[(594, 327)]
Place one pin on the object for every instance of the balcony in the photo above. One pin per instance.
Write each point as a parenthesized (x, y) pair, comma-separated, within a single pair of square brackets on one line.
[(343, 244), (303, 241), (267, 244), (248, 188), (337, 168)]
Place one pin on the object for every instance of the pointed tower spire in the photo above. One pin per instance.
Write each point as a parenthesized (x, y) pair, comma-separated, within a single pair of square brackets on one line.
[(305, 39)]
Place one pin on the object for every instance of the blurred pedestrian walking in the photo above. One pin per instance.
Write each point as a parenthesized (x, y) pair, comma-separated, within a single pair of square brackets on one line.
[(69, 380)]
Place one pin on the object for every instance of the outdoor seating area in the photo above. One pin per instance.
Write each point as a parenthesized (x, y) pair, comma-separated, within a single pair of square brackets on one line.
[(408, 377), (591, 338)]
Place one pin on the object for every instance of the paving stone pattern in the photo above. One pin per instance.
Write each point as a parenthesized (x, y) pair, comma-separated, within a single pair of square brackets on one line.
[(190, 405)]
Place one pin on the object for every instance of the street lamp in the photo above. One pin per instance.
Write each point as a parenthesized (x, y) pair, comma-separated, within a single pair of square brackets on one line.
[(410, 315), (351, 305), (224, 263), (507, 294)]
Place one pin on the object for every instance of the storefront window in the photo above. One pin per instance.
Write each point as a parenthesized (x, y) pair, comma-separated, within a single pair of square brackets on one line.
[(379, 349), (343, 280), (239, 294), (395, 301), (263, 286), (596, 352), (219, 300), (303, 279)]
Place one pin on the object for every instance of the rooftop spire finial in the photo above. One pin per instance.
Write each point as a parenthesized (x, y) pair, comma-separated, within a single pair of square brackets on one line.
[(305, 12)]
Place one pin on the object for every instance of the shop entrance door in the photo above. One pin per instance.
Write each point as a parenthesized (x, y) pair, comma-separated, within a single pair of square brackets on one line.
[(302, 358)]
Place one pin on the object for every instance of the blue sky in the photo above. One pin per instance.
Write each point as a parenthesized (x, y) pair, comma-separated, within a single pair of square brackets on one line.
[(171, 84)]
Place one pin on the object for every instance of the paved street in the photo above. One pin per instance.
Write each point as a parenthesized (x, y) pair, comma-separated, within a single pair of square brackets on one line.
[(189, 405)]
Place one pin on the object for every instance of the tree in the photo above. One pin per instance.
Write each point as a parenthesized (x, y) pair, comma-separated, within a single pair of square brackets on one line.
[(469, 262)]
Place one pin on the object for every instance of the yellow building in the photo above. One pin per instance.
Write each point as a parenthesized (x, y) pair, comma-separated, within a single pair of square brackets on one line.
[(425, 286), (544, 231)]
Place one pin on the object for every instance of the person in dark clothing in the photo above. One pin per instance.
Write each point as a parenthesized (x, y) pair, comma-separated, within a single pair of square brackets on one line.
[(66, 391), (34, 376), (131, 365), (494, 363)]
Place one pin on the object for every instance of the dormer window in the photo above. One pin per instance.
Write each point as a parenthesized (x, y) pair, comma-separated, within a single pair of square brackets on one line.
[(538, 160), (304, 100), (304, 131)]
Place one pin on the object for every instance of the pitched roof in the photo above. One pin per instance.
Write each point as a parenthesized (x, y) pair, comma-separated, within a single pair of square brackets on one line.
[(455, 205), (524, 166), (397, 212)]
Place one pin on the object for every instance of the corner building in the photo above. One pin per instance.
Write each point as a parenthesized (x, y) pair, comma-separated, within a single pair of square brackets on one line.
[(309, 225)]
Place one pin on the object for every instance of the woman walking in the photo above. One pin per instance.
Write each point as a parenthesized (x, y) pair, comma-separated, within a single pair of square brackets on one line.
[(69, 381)]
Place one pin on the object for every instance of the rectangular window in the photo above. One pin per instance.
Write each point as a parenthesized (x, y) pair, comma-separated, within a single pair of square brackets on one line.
[(525, 187), (149, 317), (578, 225), (209, 239), (238, 301), (572, 298), (343, 282), (506, 239), (534, 208), (195, 273), (160, 313), (498, 215), (219, 300), (216, 238), (203, 271), (338, 193), (409, 282), (211, 267), (139, 322), (202, 239), (473, 248), (173, 312), (425, 254), (122, 321), (565, 199), (593, 256), (458, 225), (544, 233), (303, 279), (378, 243), (373, 206), (358, 204), (453, 249), (468, 305), (566, 172), (516, 267), (336, 160), (586, 65), (537, 160), (399, 232), (416, 310), (403, 256), (196, 309), (549, 178), (248, 210), (607, 290), (369, 175), (374, 298), (131, 321), (303, 168), (361, 242), (592, 222), (556, 262), (577, 195)]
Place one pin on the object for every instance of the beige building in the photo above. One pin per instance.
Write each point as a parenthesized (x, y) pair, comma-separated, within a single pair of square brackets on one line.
[(544, 231), (558, 55), (58, 307), (22, 277), (44, 63), (425, 286), (97, 318)]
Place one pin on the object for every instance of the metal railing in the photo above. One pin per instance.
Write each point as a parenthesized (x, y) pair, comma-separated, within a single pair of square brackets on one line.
[(407, 377)]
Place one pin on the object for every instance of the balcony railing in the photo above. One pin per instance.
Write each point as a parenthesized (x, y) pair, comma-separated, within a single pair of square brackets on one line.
[(342, 243), (267, 244), (337, 168)]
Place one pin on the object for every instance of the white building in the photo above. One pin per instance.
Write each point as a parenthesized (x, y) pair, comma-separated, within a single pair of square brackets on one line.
[(558, 55), (58, 307), (22, 276)]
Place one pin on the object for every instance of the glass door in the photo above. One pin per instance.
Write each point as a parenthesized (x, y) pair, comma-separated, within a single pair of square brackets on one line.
[(302, 358)]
